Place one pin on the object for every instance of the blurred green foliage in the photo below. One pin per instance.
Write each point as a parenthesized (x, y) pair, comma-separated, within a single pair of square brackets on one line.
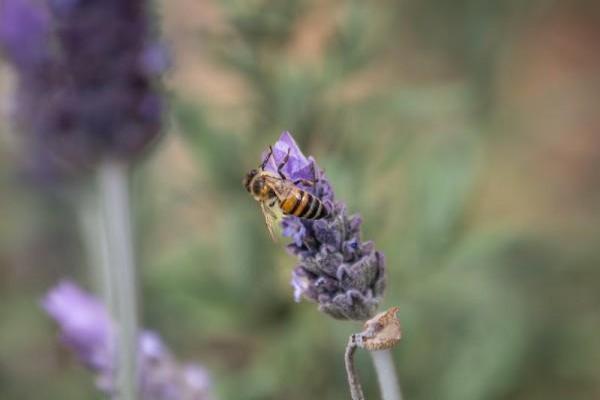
[(404, 105)]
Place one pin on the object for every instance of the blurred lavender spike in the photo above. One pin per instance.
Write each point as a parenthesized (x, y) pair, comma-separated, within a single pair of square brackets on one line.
[(87, 330), (24, 33), (345, 276), (86, 327), (87, 80)]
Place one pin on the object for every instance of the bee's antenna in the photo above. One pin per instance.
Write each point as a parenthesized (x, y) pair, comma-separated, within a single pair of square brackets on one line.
[(262, 166)]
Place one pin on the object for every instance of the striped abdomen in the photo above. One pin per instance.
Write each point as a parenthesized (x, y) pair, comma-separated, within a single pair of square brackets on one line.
[(304, 205)]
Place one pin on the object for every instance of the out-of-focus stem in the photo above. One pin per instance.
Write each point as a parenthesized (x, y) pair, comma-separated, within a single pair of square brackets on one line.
[(91, 222), (353, 380), (114, 198), (386, 374)]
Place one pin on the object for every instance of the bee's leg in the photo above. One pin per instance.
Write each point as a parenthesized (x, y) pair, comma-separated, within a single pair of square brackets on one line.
[(309, 182), (305, 182), (282, 164), (266, 160)]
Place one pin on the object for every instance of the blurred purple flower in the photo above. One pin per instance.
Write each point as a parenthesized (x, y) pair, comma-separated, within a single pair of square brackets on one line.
[(345, 276), (87, 78), (85, 325), (24, 27), (87, 329), (155, 59), (162, 378)]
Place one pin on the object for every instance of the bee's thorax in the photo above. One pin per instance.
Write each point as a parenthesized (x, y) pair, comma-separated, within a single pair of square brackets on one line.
[(292, 200)]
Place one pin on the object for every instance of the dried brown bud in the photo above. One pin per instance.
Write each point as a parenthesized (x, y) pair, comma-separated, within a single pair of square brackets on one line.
[(380, 332)]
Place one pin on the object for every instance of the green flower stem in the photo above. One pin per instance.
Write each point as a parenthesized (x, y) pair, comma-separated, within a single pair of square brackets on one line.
[(91, 223), (386, 374), (114, 200)]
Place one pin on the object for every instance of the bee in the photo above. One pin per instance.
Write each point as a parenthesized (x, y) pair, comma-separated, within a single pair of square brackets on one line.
[(278, 195)]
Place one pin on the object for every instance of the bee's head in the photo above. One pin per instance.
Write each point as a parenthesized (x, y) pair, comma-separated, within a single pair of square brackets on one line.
[(248, 178)]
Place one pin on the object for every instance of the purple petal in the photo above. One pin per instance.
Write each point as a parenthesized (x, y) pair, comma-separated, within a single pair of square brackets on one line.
[(297, 166), (299, 283), (293, 228), (151, 346), (197, 379), (155, 59), (85, 324), (24, 30)]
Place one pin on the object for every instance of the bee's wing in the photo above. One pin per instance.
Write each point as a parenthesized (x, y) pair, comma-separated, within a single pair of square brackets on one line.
[(281, 187), (271, 219)]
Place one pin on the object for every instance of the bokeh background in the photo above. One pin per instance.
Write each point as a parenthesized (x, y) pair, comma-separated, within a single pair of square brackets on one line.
[(465, 132)]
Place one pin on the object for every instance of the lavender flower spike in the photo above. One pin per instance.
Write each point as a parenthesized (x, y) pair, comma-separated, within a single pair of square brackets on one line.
[(87, 329), (344, 275), (86, 326), (88, 74)]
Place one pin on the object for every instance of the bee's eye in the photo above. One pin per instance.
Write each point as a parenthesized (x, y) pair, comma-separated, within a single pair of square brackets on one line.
[(248, 179), (258, 185)]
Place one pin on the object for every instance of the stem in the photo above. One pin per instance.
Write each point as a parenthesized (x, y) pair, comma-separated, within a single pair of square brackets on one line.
[(386, 374), (353, 381), (114, 199), (93, 232)]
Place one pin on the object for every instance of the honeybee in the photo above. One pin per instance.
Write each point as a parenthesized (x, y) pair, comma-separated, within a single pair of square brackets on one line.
[(278, 195)]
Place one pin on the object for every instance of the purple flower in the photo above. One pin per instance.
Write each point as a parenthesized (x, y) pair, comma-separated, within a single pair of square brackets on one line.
[(344, 275), (87, 79), (24, 28), (297, 167), (164, 379), (87, 329), (197, 383)]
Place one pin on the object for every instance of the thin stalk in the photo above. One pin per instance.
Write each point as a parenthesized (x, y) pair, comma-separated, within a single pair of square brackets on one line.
[(386, 374), (114, 199), (353, 380), (91, 223)]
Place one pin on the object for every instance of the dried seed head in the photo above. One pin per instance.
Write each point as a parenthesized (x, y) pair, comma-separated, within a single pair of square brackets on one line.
[(380, 332)]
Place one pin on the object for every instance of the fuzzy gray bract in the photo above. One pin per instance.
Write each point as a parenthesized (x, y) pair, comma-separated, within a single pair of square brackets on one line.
[(344, 275)]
